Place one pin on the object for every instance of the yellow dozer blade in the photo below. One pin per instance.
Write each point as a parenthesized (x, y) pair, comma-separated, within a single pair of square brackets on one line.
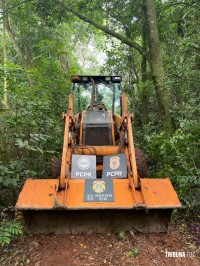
[(47, 210), (95, 204)]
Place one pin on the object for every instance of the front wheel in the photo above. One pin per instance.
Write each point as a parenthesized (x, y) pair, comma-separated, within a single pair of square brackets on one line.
[(141, 163), (55, 167)]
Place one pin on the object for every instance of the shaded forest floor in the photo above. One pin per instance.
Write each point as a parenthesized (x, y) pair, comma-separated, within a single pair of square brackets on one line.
[(104, 249)]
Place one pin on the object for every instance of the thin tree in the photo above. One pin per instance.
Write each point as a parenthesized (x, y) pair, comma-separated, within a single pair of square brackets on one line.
[(5, 83), (156, 64)]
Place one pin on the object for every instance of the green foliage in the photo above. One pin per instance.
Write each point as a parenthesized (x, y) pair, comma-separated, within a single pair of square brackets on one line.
[(121, 234), (176, 156), (134, 252), (9, 175), (9, 230)]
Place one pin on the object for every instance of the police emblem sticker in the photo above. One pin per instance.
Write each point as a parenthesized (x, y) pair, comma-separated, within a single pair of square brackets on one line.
[(83, 163), (83, 166), (99, 190), (114, 162), (99, 186), (114, 166)]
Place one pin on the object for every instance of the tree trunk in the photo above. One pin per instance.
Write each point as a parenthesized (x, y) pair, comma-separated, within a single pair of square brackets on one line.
[(144, 76), (156, 64), (14, 42), (5, 84), (22, 58)]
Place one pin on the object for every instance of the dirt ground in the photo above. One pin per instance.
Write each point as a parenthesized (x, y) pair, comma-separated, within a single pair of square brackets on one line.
[(104, 249)]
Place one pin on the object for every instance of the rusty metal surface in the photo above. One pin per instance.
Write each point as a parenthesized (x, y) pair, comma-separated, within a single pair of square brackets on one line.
[(70, 110), (42, 194), (123, 196), (97, 150), (96, 221), (131, 150), (124, 104), (64, 153), (159, 193), (37, 194), (118, 120)]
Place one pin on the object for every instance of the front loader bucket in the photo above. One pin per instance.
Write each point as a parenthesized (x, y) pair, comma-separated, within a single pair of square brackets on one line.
[(96, 221), (47, 210)]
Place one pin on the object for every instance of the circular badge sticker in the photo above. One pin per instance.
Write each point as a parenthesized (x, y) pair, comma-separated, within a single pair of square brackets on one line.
[(99, 186), (83, 163)]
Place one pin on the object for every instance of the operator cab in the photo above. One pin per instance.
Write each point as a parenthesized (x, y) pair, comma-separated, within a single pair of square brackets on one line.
[(104, 92), (96, 99)]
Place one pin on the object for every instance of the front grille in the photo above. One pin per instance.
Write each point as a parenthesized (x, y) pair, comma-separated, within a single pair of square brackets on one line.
[(96, 135)]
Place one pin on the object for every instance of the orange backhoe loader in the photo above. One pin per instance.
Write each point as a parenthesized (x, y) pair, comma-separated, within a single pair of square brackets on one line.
[(100, 182)]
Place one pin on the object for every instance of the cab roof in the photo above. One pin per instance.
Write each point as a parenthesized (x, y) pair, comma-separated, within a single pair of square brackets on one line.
[(97, 79)]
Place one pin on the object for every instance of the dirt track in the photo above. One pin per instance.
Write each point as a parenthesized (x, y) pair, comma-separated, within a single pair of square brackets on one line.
[(103, 249)]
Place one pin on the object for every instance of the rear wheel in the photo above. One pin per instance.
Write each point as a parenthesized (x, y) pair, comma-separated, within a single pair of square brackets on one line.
[(141, 163)]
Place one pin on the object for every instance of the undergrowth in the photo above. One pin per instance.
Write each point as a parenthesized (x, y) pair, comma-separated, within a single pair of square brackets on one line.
[(9, 230)]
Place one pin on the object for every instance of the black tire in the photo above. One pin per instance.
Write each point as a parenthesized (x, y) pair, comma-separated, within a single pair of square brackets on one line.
[(55, 167), (141, 163)]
